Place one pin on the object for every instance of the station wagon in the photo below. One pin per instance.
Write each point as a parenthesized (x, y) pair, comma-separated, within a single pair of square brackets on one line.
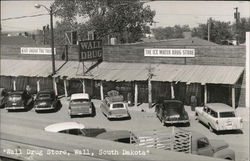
[(114, 107), (219, 117)]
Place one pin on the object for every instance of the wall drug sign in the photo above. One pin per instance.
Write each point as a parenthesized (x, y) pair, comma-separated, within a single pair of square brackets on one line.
[(90, 50)]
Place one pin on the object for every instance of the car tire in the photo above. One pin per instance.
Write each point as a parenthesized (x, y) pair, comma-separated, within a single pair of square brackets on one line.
[(163, 122), (210, 128)]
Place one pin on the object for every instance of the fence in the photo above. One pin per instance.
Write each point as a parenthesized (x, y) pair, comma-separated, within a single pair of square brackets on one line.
[(174, 140)]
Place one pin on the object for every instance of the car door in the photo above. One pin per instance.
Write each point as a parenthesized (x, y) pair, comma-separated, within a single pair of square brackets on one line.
[(202, 113), (203, 147)]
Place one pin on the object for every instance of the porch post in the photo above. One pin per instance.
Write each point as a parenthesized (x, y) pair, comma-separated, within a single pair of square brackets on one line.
[(83, 86), (55, 86), (233, 97), (136, 94), (14, 85), (38, 85), (247, 71), (172, 91), (65, 87), (205, 94), (101, 90), (149, 93)]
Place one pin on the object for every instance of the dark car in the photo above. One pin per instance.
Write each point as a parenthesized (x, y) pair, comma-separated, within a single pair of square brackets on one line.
[(19, 100), (3, 97), (171, 112), (46, 101)]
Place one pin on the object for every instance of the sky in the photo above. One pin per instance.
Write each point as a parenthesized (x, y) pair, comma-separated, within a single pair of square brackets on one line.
[(168, 13)]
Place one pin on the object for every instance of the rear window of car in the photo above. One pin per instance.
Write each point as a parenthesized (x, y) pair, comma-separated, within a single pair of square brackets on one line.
[(118, 105), (227, 114), (79, 100), (15, 97), (44, 96)]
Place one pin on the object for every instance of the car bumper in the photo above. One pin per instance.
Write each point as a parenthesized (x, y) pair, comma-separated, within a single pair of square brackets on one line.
[(14, 107), (118, 116), (71, 112), (44, 108), (176, 121)]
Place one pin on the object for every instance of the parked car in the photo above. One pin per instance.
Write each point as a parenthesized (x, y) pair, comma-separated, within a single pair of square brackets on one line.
[(219, 117), (171, 112), (114, 107), (46, 100), (80, 104), (3, 97), (19, 100), (74, 128)]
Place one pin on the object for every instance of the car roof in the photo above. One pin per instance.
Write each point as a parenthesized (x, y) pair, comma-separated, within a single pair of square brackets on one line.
[(17, 92), (219, 107), (79, 96), (45, 91), (114, 135), (63, 126)]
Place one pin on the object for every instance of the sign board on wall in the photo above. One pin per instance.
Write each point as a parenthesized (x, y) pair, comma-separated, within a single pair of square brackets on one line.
[(90, 49), (169, 52), (37, 51)]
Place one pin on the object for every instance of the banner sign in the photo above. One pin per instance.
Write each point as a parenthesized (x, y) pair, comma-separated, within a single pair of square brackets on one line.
[(90, 49), (37, 51), (169, 52)]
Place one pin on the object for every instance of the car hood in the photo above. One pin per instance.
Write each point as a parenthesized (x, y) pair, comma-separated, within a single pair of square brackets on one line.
[(218, 145)]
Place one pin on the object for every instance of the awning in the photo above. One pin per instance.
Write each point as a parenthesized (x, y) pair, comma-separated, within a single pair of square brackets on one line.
[(30, 68), (110, 71)]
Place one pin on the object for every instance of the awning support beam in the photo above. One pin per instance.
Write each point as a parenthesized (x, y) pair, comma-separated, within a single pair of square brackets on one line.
[(65, 87), (101, 90), (14, 85), (205, 94), (136, 94), (83, 86), (38, 85), (233, 97), (55, 86)]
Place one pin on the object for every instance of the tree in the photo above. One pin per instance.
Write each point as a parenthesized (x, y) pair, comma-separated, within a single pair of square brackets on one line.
[(170, 32), (123, 19), (219, 31), (243, 27)]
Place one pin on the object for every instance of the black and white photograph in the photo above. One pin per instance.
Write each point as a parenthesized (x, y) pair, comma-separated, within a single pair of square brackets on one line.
[(124, 80)]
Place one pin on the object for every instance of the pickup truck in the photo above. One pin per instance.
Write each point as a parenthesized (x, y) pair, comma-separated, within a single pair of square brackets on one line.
[(184, 141)]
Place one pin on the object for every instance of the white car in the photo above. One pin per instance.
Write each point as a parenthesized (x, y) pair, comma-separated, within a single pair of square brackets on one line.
[(74, 128), (219, 117), (80, 104)]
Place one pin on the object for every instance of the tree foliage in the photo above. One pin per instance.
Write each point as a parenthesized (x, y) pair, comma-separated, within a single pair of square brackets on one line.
[(243, 27), (170, 32), (123, 19)]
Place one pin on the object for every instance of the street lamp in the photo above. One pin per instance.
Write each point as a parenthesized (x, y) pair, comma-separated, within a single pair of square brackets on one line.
[(50, 11)]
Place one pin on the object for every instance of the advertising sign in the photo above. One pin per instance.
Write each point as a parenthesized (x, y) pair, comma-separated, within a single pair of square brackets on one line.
[(169, 52), (90, 49), (37, 51)]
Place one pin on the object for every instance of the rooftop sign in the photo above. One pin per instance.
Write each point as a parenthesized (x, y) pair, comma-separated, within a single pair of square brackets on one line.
[(36, 51), (169, 52), (90, 49)]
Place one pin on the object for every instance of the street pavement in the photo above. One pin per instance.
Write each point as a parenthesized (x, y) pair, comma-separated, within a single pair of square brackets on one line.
[(142, 118)]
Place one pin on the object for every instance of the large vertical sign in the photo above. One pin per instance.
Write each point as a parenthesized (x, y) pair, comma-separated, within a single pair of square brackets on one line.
[(90, 50)]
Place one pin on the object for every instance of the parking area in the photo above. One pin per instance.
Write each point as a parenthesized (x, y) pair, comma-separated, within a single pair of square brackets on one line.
[(142, 118)]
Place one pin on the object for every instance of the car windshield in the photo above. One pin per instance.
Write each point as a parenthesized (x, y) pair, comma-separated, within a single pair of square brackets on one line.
[(44, 96), (118, 105), (15, 97), (173, 107), (227, 114), (79, 100)]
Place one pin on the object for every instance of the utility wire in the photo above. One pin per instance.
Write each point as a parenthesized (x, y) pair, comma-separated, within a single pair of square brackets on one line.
[(14, 18)]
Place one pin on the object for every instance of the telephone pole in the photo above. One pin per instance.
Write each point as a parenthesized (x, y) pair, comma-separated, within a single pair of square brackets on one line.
[(237, 17)]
